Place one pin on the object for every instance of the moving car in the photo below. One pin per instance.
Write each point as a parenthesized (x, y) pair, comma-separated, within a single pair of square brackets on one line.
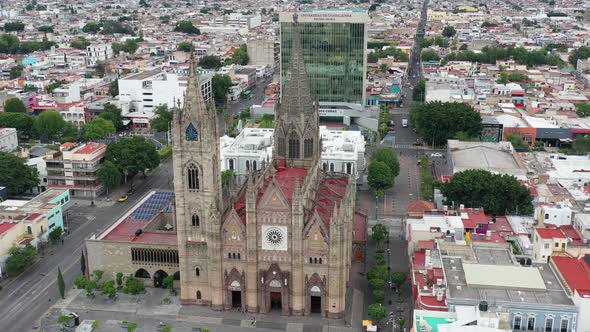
[(436, 155), (405, 123), (123, 198)]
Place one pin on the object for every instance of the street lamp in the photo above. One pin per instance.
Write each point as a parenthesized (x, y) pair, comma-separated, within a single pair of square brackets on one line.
[(376, 206)]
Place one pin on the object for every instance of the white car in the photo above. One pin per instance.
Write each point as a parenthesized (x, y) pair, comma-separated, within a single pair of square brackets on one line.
[(436, 155)]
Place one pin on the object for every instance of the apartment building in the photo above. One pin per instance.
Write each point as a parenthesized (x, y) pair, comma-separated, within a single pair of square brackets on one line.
[(74, 167), (8, 139), (20, 229), (98, 52), (146, 90)]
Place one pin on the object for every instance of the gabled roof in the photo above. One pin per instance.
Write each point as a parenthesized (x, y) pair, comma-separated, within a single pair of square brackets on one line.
[(550, 233)]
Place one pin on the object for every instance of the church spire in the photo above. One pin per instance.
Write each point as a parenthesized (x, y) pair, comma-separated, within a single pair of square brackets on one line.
[(297, 119)]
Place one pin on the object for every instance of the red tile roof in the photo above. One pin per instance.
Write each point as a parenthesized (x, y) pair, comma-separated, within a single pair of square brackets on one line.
[(90, 147), (550, 233), (420, 206), (5, 226), (33, 216), (423, 244), (573, 271)]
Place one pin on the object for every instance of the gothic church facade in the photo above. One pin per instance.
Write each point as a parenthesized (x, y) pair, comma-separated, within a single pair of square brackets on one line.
[(285, 240)]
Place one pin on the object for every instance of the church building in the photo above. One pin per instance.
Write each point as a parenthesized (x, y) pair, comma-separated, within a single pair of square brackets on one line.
[(284, 240)]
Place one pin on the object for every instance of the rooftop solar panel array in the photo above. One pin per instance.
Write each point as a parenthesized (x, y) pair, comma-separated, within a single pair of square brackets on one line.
[(150, 208)]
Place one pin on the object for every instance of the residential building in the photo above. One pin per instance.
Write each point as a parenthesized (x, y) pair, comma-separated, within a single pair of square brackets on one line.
[(98, 52), (263, 52), (18, 229), (8, 139), (548, 242), (557, 214), (576, 274), (74, 167), (51, 203), (335, 51), (146, 90), (66, 94)]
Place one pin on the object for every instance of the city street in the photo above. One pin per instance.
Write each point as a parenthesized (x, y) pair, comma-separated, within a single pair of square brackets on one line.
[(23, 300)]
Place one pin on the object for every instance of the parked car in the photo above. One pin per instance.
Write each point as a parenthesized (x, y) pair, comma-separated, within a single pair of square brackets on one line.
[(123, 198), (436, 155)]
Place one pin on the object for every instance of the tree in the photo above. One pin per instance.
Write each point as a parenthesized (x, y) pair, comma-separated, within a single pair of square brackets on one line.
[(15, 175), (16, 71), (108, 288), (372, 7), (221, 83), (376, 311), (23, 123), (581, 53), (398, 279), (110, 27), (14, 26), (114, 89), (168, 282), (83, 263), (91, 27), (518, 142), (130, 46), (436, 122), (20, 259), (377, 284), (61, 285), (389, 157), (463, 47), (429, 55), (109, 175), (380, 176), (240, 56), (210, 62), (133, 155), (378, 272), (14, 105), (161, 121), (449, 31), (80, 43), (113, 113), (49, 125), (55, 234), (378, 234), (186, 27), (419, 93), (184, 46), (133, 286), (583, 110), (45, 28), (143, 3), (119, 279), (497, 194), (383, 68), (487, 24), (378, 295), (98, 129), (581, 145), (9, 43)]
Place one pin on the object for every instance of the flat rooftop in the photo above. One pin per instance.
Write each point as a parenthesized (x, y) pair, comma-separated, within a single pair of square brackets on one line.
[(492, 275)]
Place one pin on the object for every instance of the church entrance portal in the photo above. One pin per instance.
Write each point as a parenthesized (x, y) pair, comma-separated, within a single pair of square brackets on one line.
[(275, 301), (316, 304), (159, 278), (236, 299)]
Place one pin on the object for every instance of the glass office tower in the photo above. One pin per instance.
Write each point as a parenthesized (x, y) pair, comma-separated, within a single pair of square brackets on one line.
[(334, 48)]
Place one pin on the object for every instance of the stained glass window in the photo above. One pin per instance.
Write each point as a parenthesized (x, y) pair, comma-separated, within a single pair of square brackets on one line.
[(191, 132)]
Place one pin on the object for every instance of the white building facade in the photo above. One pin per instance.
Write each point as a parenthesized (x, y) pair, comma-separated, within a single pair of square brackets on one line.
[(98, 52), (342, 151), (8, 139), (144, 91)]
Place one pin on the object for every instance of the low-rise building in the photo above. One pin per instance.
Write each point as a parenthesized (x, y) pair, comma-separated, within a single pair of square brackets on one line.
[(499, 158), (98, 52), (51, 203), (342, 151), (8, 139), (74, 167), (20, 229)]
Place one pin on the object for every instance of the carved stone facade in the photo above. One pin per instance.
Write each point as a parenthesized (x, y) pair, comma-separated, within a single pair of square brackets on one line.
[(284, 240)]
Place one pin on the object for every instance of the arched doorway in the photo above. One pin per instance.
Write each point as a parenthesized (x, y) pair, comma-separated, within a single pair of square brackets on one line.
[(177, 275), (275, 291), (159, 278), (235, 283), (142, 273), (315, 295)]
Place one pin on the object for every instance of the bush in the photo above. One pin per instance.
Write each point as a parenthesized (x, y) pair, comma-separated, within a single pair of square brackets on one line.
[(165, 153), (20, 259)]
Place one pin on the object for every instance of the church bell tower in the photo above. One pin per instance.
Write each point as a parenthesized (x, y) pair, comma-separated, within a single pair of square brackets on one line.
[(297, 139), (197, 185)]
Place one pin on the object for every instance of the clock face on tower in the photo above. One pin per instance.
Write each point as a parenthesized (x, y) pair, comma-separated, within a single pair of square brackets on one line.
[(274, 237)]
